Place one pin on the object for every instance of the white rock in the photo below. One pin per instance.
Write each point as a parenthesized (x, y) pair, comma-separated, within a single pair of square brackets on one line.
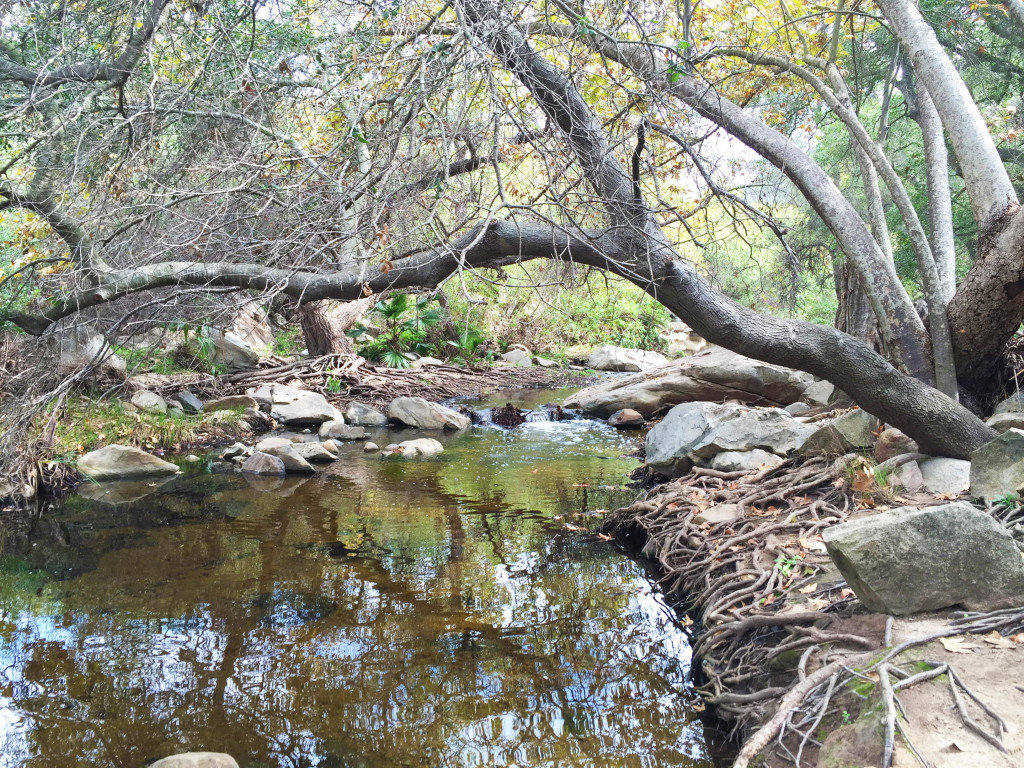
[(117, 462), (424, 446), (422, 414), (612, 358)]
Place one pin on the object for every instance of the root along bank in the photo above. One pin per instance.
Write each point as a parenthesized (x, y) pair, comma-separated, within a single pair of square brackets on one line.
[(787, 655)]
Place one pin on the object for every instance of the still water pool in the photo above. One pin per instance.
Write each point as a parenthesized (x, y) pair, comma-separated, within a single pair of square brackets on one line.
[(450, 611)]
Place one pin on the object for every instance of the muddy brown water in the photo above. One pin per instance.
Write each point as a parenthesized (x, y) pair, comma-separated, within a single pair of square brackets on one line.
[(451, 611)]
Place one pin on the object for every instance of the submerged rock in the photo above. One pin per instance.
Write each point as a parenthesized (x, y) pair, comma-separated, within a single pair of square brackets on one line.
[(118, 462), (424, 446), (908, 560), (423, 414), (197, 760)]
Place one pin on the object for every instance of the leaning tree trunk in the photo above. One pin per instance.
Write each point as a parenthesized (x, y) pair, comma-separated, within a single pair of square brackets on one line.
[(324, 324)]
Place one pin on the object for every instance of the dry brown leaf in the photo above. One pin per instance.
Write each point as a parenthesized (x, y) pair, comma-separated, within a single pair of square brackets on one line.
[(1019, 638), (845, 593), (808, 589), (816, 603), (957, 644), (994, 638)]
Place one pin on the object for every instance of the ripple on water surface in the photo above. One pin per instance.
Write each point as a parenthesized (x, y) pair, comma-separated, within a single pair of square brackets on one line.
[(450, 611)]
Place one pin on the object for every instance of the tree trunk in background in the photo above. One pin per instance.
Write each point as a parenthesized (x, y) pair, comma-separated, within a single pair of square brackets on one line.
[(324, 324), (854, 314)]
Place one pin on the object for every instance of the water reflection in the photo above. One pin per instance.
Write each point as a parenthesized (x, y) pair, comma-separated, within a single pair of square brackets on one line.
[(388, 612)]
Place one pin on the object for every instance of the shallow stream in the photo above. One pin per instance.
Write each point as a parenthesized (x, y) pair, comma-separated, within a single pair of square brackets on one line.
[(457, 610)]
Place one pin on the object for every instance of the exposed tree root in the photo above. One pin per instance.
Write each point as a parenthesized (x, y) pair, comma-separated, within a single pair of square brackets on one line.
[(763, 588)]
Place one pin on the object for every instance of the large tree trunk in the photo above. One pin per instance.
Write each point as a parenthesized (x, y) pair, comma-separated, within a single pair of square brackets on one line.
[(324, 324), (854, 314)]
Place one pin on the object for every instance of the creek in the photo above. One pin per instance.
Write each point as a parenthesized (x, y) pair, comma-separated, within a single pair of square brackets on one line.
[(456, 610)]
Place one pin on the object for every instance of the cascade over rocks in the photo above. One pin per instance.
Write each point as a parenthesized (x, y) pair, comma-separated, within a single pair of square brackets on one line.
[(907, 560), (693, 433), (713, 375), (118, 462)]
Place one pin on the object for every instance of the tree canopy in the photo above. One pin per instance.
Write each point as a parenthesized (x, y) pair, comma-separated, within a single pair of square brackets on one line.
[(153, 155)]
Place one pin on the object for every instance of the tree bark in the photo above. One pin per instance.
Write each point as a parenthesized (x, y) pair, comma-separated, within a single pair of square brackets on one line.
[(322, 333)]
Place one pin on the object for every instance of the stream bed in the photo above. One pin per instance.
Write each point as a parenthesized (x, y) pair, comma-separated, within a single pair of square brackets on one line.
[(456, 610)]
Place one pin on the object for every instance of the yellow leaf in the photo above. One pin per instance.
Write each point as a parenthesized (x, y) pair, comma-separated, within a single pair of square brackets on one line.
[(808, 589), (957, 644)]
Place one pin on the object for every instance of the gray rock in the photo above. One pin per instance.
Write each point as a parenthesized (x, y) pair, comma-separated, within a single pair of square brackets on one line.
[(852, 432), (720, 513), (331, 446), (315, 453), (797, 409), (906, 477), (892, 443), (238, 449), (424, 446), (427, 362), (232, 351), (714, 375), (339, 430), (149, 402), (942, 475), (284, 450), (997, 468), (746, 461), (518, 358), (81, 346), (627, 418), (612, 358), (543, 362), (296, 407), (190, 402), (1013, 404), (197, 760), (819, 393), (252, 325), (370, 446), (1001, 422), (230, 403), (907, 560), (694, 432), (422, 414), (119, 462), (364, 416)]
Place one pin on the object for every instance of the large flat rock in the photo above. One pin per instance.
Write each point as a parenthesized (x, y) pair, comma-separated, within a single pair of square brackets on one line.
[(908, 560), (423, 414), (714, 375), (120, 462)]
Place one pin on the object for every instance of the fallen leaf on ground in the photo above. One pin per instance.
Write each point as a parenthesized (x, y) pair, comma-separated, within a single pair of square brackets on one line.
[(808, 589), (847, 592), (957, 644), (994, 638), (816, 603)]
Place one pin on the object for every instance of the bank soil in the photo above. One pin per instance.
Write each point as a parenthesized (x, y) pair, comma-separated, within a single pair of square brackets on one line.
[(790, 661)]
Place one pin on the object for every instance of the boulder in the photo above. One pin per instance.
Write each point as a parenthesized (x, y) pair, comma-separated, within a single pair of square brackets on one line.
[(284, 450), (627, 418), (197, 760), (230, 403), (314, 453), (1001, 422), (1013, 404), (852, 432), (424, 446), (296, 407), (997, 468), (422, 414), (370, 446), (714, 375), (612, 358), (797, 409), (189, 402), (364, 416), (232, 351), (119, 462), (81, 346), (818, 393), (907, 560), (694, 432), (892, 443), (745, 461), (339, 430), (543, 362), (149, 402), (238, 449), (942, 475), (519, 358)]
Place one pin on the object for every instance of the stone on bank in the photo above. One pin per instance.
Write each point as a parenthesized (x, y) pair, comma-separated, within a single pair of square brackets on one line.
[(908, 560), (118, 462)]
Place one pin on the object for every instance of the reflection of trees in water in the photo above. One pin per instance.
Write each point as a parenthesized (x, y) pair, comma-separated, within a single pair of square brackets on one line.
[(459, 628)]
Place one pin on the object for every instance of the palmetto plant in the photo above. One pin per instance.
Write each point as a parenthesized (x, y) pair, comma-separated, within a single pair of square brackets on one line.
[(404, 323)]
